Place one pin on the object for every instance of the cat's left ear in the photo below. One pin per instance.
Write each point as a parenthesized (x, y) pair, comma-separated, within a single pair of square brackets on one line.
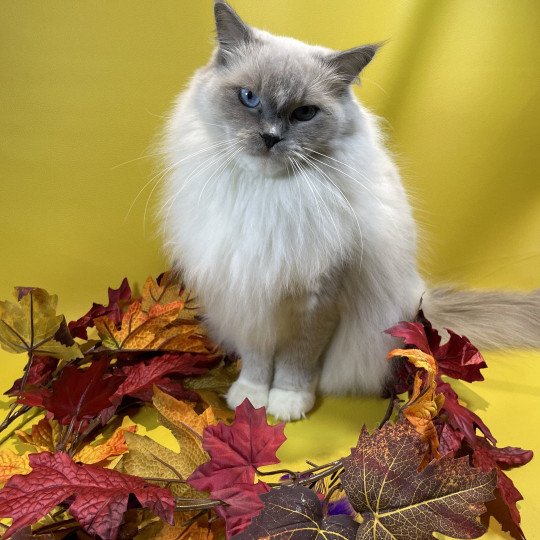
[(348, 64), (231, 29)]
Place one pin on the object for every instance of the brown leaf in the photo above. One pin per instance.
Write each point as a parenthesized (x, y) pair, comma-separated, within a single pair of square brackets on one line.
[(395, 500), (200, 529)]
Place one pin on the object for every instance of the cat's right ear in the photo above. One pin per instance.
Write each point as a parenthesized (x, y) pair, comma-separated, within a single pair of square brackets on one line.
[(231, 30)]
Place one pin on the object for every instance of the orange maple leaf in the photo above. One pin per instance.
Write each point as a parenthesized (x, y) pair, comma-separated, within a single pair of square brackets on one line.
[(138, 329), (45, 436), (11, 463), (424, 403), (112, 447)]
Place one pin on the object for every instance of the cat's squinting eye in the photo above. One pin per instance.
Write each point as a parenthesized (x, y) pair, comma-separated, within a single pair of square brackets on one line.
[(248, 98), (305, 113)]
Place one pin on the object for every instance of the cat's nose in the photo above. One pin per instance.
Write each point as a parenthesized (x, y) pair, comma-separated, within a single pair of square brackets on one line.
[(270, 139)]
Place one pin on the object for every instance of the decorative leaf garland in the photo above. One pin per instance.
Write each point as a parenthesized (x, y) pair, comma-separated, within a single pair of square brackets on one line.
[(433, 470)]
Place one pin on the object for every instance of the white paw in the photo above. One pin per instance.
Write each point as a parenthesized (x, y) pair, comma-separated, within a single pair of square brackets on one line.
[(290, 404), (240, 390)]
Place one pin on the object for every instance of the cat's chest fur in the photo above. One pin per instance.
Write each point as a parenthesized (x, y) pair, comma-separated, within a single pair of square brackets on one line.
[(261, 236)]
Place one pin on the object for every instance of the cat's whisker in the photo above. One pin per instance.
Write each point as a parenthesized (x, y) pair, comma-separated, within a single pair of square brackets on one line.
[(233, 152), (161, 174), (295, 168), (338, 235), (374, 83), (350, 208), (316, 197), (146, 156), (361, 184), (199, 169)]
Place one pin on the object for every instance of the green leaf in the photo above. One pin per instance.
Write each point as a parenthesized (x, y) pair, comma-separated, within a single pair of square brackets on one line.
[(31, 325)]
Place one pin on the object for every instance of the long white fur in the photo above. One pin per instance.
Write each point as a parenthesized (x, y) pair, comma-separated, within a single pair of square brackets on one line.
[(248, 241), (300, 269)]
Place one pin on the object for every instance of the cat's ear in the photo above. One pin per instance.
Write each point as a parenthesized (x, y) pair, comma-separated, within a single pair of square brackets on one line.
[(231, 29), (348, 64)]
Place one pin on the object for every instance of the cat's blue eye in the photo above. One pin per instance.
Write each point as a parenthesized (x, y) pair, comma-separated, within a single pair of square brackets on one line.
[(305, 113), (248, 98)]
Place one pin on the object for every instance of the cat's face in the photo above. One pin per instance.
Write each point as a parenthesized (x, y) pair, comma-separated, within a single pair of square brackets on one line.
[(275, 99)]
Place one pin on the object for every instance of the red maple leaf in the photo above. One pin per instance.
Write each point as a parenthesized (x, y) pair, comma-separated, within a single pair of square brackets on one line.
[(117, 299), (40, 372), (461, 418), (458, 357), (236, 451), (488, 457), (142, 377), (78, 394), (98, 497)]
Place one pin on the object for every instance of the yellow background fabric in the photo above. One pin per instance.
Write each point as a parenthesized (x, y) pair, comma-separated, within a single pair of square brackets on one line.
[(84, 87)]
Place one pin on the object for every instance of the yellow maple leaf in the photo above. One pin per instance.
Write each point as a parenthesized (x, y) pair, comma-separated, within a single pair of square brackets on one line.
[(424, 403), (149, 459), (11, 463), (31, 324)]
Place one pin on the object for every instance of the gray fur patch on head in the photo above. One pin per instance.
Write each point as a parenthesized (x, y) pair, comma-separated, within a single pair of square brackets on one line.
[(285, 74), (230, 28)]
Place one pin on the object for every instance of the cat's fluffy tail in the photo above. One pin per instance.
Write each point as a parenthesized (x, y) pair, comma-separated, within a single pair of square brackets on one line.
[(490, 319)]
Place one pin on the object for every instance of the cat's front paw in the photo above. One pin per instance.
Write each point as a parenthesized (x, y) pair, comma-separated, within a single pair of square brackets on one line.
[(290, 404), (240, 390)]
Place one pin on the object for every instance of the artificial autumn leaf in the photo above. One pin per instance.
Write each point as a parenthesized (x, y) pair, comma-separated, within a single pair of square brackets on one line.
[(118, 298), (425, 403), (45, 436), (81, 394), (242, 502), (384, 486), (97, 497), (236, 451), (39, 373), (461, 418), (163, 290), (138, 329), (187, 427), (11, 464), (184, 528), (31, 325), (218, 379), (114, 446), (185, 336), (141, 377), (150, 459), (156, 329), (458, 357), (488, 457), (450, 439), (296, 513)]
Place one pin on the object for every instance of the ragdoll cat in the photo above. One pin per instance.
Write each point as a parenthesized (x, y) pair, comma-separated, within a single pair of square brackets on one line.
[(284, 211)]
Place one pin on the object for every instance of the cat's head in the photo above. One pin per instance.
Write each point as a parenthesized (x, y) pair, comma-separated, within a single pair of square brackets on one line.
[(277, 98)]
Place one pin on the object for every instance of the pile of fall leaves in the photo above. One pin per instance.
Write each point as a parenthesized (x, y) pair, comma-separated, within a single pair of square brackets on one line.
[(432, 465)]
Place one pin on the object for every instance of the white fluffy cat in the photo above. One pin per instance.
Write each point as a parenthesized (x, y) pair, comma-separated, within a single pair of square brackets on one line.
[(284, 211)]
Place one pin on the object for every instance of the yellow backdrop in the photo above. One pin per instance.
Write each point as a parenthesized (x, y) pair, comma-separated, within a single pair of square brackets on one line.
[(83, 90)]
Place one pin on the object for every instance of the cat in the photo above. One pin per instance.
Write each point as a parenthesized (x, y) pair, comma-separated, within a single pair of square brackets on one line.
[(285, 212)]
